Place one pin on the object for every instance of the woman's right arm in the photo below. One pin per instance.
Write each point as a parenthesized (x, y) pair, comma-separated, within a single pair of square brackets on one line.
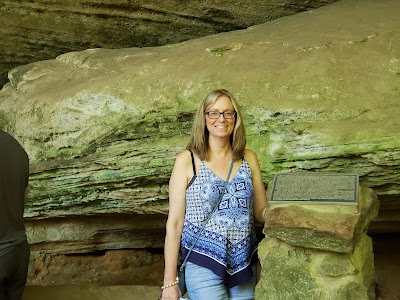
[(178, 182)]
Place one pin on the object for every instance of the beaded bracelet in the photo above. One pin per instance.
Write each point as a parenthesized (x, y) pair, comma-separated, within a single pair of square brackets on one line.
[(171, 284)]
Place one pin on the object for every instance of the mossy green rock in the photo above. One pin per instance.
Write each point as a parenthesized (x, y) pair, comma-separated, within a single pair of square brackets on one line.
[(335, 265), (290, 272), (289, 280)]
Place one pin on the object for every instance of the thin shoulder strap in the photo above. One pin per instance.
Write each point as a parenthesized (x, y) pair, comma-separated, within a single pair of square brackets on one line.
[(193, 164)]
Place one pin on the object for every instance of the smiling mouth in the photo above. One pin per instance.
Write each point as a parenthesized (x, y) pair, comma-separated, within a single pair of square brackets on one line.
[(221, 126)]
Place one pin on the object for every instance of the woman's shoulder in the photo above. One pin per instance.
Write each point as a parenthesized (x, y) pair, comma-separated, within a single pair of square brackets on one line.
[(249, 155), (186, 164), (183, 164), (251, 158), (183, 156)]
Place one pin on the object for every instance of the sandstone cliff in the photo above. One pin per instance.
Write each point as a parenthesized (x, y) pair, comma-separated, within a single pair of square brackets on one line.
[(38, 30)]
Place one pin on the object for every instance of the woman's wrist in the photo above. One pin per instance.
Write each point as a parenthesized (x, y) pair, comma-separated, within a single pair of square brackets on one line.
[(165, 286)]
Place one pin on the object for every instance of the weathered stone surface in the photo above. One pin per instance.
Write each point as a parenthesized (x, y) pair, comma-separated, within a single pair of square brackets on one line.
[(91, 234), (334, 265), (313, 274), (277, 276), (38, 30), (102, 126), (111, 267), (328, 227)]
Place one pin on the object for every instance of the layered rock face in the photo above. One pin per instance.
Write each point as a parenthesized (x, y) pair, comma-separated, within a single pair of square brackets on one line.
[(38, 30), (319, 92)]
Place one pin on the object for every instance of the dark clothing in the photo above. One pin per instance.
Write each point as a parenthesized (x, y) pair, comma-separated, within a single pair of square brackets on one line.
[(14, 250), (13, 272)]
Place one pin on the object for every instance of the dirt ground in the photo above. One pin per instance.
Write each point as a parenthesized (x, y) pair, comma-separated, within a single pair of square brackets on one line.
[(91, 292)]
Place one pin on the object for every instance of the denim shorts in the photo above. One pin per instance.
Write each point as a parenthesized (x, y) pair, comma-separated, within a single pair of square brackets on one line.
[(204, 284)]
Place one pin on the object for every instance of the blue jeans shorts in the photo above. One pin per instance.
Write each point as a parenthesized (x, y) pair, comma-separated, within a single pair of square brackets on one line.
[(204, 284)]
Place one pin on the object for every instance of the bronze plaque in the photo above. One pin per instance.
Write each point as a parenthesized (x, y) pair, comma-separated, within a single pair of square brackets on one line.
[(314, 187)]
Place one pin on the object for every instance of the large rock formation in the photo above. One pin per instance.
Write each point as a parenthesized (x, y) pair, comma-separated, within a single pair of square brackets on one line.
[(319, 92), (38, 30), (326, 260)]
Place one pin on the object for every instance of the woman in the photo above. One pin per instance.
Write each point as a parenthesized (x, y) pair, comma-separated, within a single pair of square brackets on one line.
[(222, 263)]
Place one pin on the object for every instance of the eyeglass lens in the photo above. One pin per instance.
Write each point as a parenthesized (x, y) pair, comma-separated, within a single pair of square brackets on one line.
[(216, 114)]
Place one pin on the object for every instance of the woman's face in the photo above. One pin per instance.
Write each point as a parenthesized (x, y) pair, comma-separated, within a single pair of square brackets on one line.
[(220, 127)]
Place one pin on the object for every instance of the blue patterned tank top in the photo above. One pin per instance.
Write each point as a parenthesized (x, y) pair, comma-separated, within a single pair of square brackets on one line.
[(228, 243)]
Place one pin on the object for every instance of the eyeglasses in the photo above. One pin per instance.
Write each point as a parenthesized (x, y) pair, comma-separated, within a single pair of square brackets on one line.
[(215, 114)]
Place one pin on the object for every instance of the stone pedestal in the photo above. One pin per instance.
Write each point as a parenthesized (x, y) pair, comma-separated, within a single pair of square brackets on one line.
[(318, 251)]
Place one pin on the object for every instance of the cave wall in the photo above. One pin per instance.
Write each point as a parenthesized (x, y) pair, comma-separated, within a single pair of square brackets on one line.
[(38, 30)]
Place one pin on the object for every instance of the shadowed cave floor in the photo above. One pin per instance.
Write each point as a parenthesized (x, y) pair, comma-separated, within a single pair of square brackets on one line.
[(91, 292), (387, 266)]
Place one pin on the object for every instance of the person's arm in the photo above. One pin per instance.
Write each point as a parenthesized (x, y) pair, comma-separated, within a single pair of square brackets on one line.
[(177, 205), (260, 197)]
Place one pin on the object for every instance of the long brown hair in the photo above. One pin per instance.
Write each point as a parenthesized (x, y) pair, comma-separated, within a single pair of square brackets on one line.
[(199, 139)]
